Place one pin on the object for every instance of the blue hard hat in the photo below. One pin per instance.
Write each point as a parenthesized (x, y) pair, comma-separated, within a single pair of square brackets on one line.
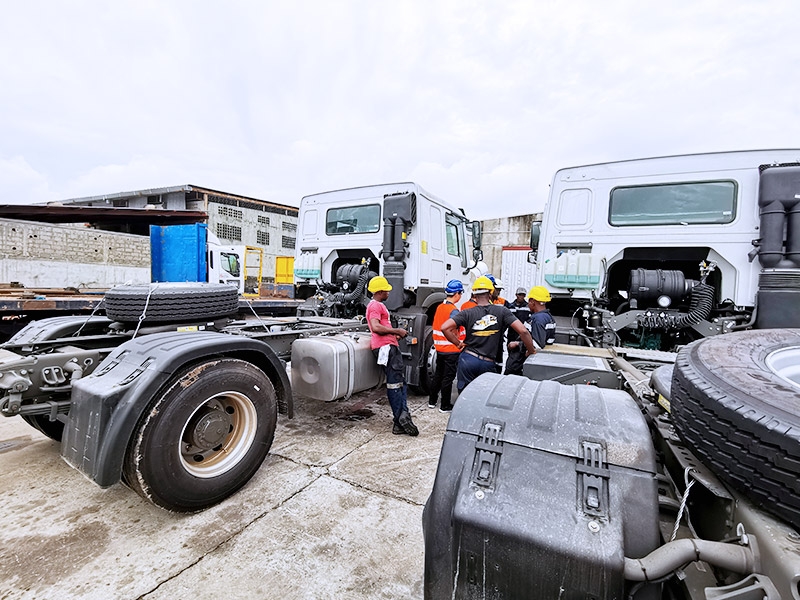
[(491, 278), (454, 286)]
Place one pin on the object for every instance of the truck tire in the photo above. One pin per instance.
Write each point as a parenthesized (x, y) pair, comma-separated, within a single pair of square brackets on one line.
[(204, 438), (430, 361), (735, 400), (171, 302)]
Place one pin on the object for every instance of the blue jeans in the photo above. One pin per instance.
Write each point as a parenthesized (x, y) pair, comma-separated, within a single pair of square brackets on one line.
[(470, 367), (396, 388)]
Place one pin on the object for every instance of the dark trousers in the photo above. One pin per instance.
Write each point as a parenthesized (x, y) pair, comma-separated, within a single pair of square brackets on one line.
[(471, 367), (516, 358), (443, 378), (396, 388)]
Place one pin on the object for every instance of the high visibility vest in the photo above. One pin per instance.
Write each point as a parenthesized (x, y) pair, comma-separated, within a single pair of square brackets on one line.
[(441, 343)]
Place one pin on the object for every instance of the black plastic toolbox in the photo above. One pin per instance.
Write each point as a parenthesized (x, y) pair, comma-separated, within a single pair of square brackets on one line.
[(541, 491)]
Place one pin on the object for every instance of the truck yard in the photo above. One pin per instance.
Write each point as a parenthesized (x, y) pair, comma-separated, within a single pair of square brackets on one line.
[(670, 368), (334, 512)]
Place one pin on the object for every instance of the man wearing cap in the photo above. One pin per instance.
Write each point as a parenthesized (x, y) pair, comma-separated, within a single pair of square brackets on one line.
[(387, 351), (543, 326), (446, 352), (485, 326), (516, 350)]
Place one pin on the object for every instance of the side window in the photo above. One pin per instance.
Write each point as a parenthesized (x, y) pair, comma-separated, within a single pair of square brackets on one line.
[(456, 238), (575, 208), (452, 238), (674, 204)]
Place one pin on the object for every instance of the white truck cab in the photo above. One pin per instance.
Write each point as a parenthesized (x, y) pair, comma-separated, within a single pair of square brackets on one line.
[(643, 251), (399, 230)]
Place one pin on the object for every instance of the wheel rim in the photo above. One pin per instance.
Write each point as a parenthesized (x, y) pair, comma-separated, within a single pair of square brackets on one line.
[(785, 363), (218, 434)]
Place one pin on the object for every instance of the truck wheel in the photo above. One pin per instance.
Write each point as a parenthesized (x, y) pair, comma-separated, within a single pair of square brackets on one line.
[(171, 302), (736, 403), (204, 438), (428, 364)]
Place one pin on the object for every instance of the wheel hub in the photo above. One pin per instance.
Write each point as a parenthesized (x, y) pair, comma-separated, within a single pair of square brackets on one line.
[(210, 429)]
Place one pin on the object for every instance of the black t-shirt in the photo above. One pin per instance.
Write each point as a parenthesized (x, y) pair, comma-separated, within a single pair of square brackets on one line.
[(485, 327)]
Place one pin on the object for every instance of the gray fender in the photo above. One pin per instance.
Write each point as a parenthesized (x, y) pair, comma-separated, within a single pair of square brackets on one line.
[(107, 404)]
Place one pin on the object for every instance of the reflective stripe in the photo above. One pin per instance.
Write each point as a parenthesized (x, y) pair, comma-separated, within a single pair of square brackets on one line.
[(551, 335), (440, 342), (394, 386)]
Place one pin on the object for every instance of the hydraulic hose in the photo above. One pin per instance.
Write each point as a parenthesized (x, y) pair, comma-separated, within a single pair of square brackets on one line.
[(699, 309), (671, 556)]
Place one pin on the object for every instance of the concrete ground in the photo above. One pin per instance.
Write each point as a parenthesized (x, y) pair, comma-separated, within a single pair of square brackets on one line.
[(334, 512)]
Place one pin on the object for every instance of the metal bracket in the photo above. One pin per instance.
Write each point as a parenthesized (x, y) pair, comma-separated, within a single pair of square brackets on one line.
[(488, 449), (593, 475)]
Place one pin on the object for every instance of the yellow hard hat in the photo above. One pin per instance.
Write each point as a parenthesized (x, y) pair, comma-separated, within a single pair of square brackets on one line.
[(379, 284), (482, 284), (539, 293)]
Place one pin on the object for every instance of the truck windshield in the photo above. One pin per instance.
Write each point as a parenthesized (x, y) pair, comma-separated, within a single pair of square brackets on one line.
[(353, 219), (674, 204)]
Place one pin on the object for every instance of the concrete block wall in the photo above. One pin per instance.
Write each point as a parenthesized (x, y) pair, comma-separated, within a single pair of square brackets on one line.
[(505, 231), (44, 255)]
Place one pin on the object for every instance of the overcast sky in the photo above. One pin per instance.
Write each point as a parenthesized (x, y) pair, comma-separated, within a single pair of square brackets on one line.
[(479, 102)]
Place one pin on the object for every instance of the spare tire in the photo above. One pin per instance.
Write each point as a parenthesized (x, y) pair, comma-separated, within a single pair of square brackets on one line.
[(735, 401), (171, 302)]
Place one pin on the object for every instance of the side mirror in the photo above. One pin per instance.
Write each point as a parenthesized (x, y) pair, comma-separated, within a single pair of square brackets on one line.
[(476, 234), (536, 233), (477, 255), (532, 256)]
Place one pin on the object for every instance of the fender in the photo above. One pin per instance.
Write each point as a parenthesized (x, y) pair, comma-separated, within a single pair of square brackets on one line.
[(107, 404)]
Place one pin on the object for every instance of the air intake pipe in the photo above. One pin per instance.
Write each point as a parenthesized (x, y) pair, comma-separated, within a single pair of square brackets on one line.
[(399, 214), (779, 208)]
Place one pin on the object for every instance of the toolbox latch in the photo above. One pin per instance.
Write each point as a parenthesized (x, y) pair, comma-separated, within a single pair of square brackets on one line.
[(488, 449), (593, 475)]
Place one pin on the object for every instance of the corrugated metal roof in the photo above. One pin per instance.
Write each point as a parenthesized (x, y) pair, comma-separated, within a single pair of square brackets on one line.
[(100, 215)]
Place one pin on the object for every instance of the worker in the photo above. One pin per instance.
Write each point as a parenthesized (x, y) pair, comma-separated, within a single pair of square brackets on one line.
[(496, 297), (516, 350), (484, 326), (543, 326), (469, 303), (387, 352), (446, 352)]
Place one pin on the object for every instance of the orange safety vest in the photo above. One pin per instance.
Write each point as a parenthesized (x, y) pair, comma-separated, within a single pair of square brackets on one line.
[(500, 301), (468, 304), (441, 343)]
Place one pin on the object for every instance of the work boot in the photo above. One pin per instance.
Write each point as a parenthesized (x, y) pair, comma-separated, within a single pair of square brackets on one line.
[(446, 408), (398, 430), (407, 424)]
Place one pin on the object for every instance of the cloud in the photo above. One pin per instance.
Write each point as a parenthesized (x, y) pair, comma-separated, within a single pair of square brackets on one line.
[(478, 101)]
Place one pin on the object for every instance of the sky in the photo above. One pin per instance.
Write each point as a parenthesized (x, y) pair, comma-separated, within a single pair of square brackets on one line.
[(479, 102)]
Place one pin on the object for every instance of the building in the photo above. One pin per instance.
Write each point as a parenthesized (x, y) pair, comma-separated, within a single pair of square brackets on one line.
[(235, 220), (506, 243)]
